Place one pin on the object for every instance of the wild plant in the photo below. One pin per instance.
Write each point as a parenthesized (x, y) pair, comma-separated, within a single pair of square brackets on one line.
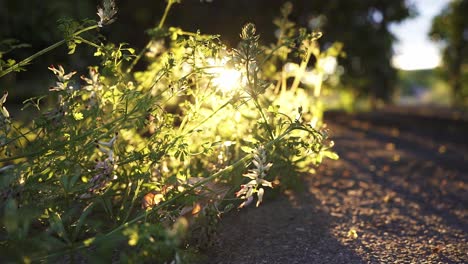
[(133, 165)]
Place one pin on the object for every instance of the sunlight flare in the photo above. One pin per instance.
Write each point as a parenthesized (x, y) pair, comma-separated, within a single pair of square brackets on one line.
[(227, 79)]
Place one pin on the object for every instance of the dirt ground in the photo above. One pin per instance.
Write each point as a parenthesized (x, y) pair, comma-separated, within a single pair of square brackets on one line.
[(398, 194)]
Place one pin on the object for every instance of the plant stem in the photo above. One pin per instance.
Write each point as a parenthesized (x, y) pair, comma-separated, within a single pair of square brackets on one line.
[(59, 145), (254, 97), (132, 204), (148, 45), (92, 44), (26, 61), (174, 141), (302, 69), (208, 117), (166, 12), (253, 92), (244, 162), (267, 125)]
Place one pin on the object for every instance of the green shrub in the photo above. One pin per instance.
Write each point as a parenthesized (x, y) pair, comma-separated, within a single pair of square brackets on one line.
[(133, 165)]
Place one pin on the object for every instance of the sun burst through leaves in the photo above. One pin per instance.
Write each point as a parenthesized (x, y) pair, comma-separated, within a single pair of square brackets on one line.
[(225, 77)]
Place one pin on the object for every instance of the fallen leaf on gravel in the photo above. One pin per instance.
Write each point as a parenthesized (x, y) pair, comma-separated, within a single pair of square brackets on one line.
[(442, 149), (387, 198), (193, 210), (437, 249), (151, 199), (390, 146), (196, 209), (352, 234)]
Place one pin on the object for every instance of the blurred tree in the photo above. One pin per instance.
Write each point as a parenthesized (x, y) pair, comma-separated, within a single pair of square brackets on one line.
[(451, 28), (362, 25)]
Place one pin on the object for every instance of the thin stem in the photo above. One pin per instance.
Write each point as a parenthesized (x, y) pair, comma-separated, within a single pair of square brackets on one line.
[(208, 117), (92, 44), (267, 125), (272, 52), (17, 137), (166, 12), (302, 69), (174, 141), (243, 162), (148, 45), (254, 96), (63, 144), (318, 85), (135, 195), (26, 61), (21, 134)]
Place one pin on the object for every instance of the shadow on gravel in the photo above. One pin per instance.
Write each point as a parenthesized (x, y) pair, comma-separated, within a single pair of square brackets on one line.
[(421, 142), (406, 198), (286, 230), (403, 191), (419, 174)]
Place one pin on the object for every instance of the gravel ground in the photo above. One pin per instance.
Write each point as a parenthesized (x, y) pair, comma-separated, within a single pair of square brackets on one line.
[(398, 194)]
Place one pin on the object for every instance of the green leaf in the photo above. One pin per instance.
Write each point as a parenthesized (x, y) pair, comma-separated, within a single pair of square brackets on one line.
[(330, 155), (247, 149), (71, 47), (10, 218), (87, 210), (228, 208), (56, 225)]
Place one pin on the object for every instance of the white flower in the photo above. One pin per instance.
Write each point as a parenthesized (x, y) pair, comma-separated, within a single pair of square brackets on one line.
[(60, 73), (93, 83), (4, 111), (109, 143), (104, 169), (63, 78), (246, 202), (256, 177)]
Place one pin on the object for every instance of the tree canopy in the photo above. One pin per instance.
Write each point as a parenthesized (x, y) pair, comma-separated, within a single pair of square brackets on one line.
[(450, 28), (361, 25)]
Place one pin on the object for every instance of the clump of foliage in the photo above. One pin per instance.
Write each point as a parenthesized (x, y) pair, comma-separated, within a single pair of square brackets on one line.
[(145, 161), (450, 28)]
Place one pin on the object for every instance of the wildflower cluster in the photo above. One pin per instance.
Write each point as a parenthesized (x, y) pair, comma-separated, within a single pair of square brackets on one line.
[(104, 168), (93, 85), (188, 125), (257, 179), (62, 84)]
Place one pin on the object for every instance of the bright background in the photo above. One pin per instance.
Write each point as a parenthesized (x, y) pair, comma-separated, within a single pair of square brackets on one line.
[(415, 51)]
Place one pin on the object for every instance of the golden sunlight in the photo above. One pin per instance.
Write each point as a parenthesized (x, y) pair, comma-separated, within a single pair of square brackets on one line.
[(227, 79)]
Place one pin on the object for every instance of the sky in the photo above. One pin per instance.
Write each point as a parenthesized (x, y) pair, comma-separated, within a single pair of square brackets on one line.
[(415, 50)]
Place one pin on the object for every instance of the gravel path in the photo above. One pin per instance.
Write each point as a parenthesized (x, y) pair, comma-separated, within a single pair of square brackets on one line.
[(398, 194)]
